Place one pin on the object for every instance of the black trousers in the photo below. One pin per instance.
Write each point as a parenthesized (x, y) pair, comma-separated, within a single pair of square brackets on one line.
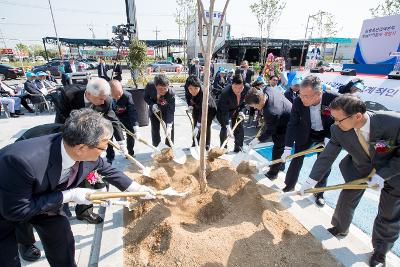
[(55, 234), (293, 172), (155, 131), (24, 103), (238, 133), (130, 141), (210, 116), (24, 233), (277, 150)]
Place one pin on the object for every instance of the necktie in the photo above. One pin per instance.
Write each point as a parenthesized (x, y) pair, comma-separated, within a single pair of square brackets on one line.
[(72, 173), (362, 141)]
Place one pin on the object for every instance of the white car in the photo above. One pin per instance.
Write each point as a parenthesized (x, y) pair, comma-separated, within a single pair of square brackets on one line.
[(4, 59), (39, 58), (332, 67)]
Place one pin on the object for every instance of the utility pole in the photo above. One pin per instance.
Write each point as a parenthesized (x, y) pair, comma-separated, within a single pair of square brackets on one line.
[(305, 38), (157, 31), (91, 28), (2, 36), (55, 30)]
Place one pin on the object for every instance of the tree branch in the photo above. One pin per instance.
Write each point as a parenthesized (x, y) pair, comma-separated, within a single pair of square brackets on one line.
[(200, 18)]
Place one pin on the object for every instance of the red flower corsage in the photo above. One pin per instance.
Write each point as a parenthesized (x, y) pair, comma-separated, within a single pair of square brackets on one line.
[(162, 102), (382, 146), (325, 111), (93, 177)]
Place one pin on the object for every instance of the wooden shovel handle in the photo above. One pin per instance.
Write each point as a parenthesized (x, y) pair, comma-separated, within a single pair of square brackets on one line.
[(314, 149), (107, 195), (140, 139), (129, 157), (159, 117), (238, 121)]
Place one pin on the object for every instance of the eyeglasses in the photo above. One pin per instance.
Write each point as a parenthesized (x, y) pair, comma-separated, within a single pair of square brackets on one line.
[(339, 121), (101, 148)]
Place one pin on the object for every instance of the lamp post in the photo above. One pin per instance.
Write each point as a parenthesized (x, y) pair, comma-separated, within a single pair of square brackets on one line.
[(2, 36), (55, 29)]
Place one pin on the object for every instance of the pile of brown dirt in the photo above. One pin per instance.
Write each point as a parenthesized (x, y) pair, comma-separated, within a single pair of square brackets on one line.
[(247, 167), (165, 156), (215, 153), (235, 223)]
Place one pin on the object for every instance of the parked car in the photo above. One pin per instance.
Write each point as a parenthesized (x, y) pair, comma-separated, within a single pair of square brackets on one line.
[(332, 67), (164, 66), (52, 66), (4, 59), (39, 58), (10, 72), (81, 66), (92, 63)]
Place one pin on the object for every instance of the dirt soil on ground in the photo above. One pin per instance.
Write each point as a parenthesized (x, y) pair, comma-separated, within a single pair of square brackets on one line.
[(235, 223)]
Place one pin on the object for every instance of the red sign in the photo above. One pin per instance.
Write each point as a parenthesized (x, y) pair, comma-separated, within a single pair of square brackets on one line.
[(7, 51), (150, 52)]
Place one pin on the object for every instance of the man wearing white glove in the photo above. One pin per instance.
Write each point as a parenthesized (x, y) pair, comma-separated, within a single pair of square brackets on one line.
[(372, 141), (66, 160), (125, 109), (307, 184), (276, 112), (230, 107), (135, 187), (161, 99), (196, 130), (286, 153)]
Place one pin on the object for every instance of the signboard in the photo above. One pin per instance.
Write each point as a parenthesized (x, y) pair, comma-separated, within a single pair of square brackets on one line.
[(150, 52), (7, 51), (378, 38), (379, 94)]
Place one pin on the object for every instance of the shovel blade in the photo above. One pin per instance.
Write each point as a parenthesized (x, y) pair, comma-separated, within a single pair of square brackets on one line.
[(146, 172), (194, 151), (170, 192), (179, 156)]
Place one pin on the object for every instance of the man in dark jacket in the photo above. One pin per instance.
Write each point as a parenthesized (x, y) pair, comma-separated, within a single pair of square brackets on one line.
[(293, 92), (230, 108), (125, 110), (246, 72), (102, 69), (310, 122), (31, 89), (195, 102), (161, 100), (69, 68), (276, 111), (36, 187)]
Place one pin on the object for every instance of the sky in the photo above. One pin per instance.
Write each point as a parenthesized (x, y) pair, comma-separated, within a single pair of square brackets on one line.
[(29, 21)]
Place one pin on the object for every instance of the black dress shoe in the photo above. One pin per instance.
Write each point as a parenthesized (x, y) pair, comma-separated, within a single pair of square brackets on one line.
[(271, 176), (287, 189), (13, 115), (237, 149), (335, 232), (377, 259), (90, 217), (19, 113), (29, 252), (320, 201)]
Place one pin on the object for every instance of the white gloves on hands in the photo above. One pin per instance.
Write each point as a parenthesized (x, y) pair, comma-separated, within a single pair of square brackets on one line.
[(309, 183), (229, 131), (196, 129), (377, 181), (287, 152), (241, 115), (254, 142), (190, 108), (155, 108), (135, 187), (169, 129), (122, 146), (77, 195)]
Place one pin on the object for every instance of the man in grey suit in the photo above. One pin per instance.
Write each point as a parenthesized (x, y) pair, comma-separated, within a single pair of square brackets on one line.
[(372, 140)]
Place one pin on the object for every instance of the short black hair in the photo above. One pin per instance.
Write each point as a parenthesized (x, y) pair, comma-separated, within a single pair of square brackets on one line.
[(253, 97), (350, 104), (273, 76), (237, 79), (194, 81), (161, 79)]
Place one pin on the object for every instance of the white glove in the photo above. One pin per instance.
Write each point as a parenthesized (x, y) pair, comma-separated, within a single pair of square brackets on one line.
[(196, 129), (241, 115), (229, 131), (169, 129), (122, 146), (309, 183), (155, 108), (77, 195), (254, 142), (377, 181), (135, 187), (286, 153), (326, 141), (190, 108)]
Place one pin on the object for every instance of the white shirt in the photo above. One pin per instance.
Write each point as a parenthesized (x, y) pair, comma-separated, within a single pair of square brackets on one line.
[(73, 68), (366, 128), (67, 163), (43, 89), (315, 115)]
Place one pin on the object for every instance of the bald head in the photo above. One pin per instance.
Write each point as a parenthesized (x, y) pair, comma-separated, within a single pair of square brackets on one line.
[(116, 89)]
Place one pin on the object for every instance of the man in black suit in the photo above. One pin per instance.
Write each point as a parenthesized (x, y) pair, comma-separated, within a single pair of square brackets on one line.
[(125, 110), (310, 122), (34, 188), (194, 101), (195, 68), (96, 96), (31, 89), (276, 111), (117, 71), (246, 72), (68, 69), (372, 141), (161, 99), (102, 69), (231, 106), (293, 92)]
